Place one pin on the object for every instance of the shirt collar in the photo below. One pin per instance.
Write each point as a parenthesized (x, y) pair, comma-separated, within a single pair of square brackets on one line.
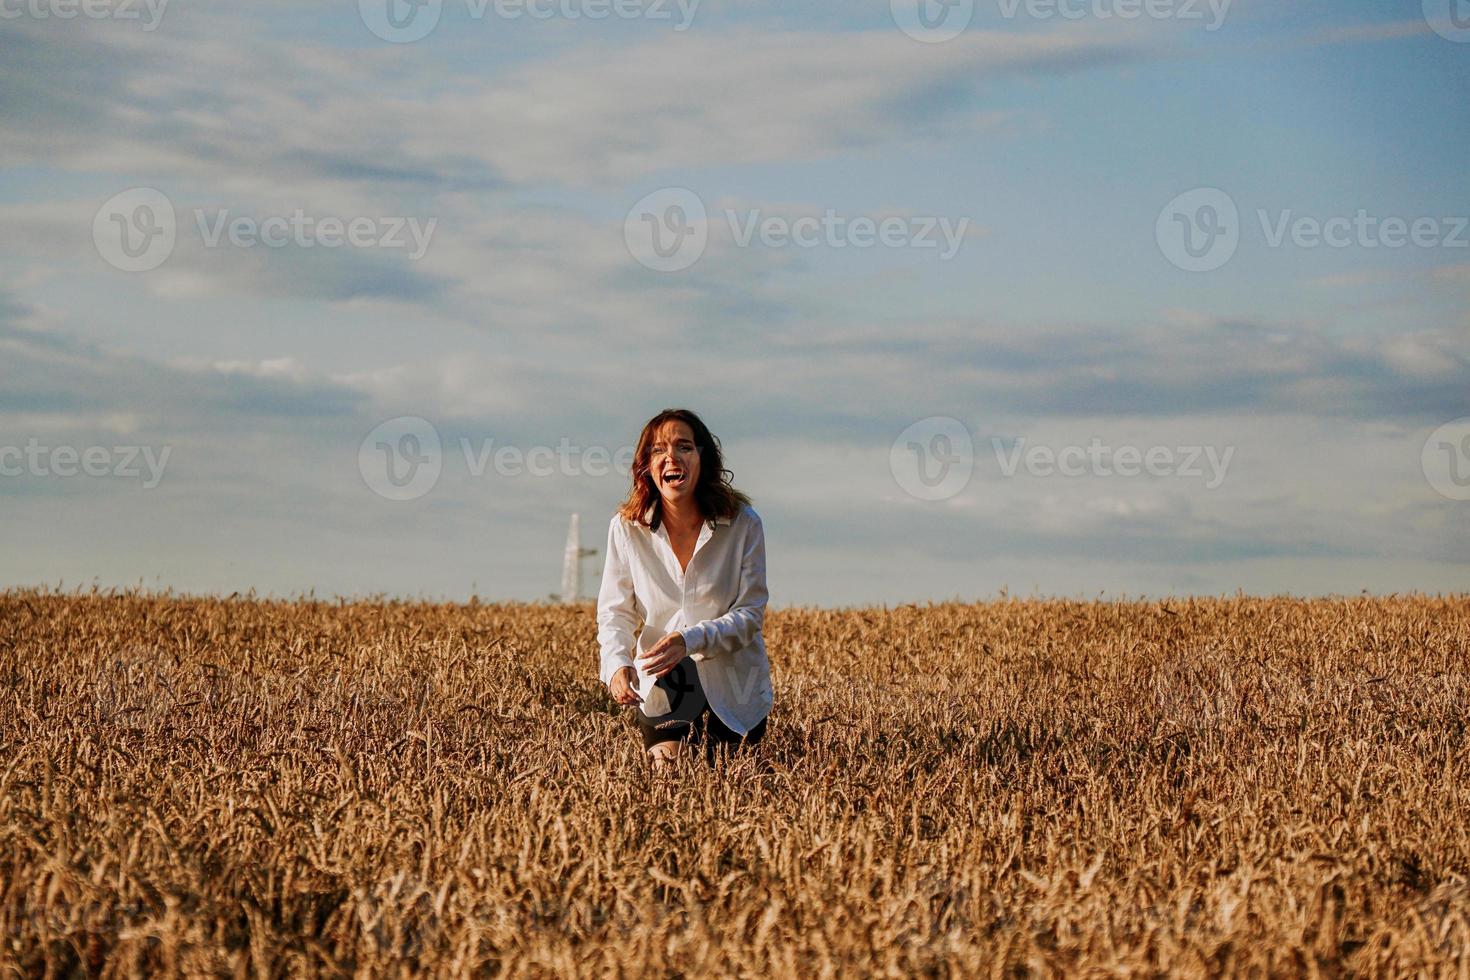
[(648, 517)]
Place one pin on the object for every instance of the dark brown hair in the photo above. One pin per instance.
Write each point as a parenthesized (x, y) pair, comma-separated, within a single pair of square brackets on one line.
[(713, 493)]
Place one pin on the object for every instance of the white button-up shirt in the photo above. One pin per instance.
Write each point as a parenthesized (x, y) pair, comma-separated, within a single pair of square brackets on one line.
[(718, 604)]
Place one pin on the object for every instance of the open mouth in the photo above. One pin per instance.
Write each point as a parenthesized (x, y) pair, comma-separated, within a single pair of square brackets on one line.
[(675, 478)]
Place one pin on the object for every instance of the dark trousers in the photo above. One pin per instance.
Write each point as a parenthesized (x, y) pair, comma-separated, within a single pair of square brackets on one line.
[(691, 719)]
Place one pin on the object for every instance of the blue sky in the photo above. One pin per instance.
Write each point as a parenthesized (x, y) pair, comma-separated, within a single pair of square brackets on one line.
[(1327, 381)]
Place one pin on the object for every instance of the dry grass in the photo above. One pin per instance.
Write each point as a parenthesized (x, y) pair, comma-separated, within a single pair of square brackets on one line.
[(244, 787)]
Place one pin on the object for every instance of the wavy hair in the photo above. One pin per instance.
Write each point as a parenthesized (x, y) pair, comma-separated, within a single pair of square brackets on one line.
[(713, 493)]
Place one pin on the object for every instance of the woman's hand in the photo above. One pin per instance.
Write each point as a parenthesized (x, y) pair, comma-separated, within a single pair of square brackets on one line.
[(621, 687), (664, 655)]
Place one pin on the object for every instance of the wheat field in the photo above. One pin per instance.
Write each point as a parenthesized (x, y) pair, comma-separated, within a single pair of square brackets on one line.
[(249, 787)]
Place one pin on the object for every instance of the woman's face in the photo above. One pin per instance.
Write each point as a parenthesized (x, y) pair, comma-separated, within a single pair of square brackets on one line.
[(674, 462)]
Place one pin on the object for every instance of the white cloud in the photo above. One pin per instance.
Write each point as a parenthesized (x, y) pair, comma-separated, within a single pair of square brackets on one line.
[(248, 112)]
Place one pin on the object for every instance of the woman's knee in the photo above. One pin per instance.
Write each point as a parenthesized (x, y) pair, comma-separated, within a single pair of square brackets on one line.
[(663, 753)]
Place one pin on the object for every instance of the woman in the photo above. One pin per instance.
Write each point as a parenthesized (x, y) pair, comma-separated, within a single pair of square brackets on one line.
[(686, 556)]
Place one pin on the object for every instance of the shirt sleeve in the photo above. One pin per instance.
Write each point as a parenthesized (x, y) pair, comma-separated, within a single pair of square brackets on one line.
[(739, 627), (618, 610)]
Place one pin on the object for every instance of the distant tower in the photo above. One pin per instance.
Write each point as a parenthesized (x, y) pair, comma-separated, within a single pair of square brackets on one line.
[(571, 567)]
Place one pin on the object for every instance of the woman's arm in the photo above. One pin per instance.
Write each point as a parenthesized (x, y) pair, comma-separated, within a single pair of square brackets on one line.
[(740, 626), (618, 610)]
